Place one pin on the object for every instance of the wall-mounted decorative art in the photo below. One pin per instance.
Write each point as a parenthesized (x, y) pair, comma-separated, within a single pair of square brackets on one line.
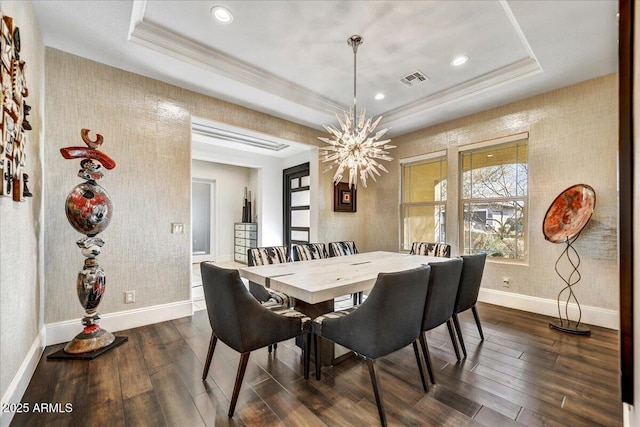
[(13, 117), (344, 197)]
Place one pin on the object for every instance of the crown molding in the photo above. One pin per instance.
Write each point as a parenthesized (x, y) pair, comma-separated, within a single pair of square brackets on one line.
[(507, 74), (252, 139), (165, 41), (162, 40)]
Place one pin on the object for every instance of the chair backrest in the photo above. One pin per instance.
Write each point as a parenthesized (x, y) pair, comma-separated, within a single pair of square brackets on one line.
[(307, 251), (441, 294), (230, 306), (470, 280), (390, 318), (342, 248), (267, 255), (431, 249)]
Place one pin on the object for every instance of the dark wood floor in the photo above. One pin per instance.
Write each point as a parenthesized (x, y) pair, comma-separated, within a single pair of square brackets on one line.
[(522, 374)]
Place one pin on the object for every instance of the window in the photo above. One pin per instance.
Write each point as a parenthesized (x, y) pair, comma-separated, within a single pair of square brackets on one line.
[(424, 196), (494, 183)]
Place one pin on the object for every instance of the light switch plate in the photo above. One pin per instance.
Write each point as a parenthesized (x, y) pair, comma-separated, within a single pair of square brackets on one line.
[(177, 228)]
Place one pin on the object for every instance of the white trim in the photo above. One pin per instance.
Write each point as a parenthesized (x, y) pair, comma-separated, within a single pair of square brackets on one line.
[(421, 157), (20, 381), (494, 141), (60, 332), (170, 43), (597, 316), (476, 86)]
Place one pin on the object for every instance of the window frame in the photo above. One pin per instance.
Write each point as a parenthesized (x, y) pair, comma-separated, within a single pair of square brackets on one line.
[(494, 143), (403, 206)]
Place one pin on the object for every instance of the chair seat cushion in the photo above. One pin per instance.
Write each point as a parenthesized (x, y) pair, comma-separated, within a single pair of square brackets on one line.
[(290, 312), (279, 298), (317, 322)]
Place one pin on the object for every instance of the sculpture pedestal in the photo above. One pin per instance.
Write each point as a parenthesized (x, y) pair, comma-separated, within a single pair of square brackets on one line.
[(61, 354), (569, 327), (84, 343)]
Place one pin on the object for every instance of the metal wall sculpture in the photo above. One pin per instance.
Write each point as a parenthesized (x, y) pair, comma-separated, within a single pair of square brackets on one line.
[(89, 209), (563, 222), (13, 117)]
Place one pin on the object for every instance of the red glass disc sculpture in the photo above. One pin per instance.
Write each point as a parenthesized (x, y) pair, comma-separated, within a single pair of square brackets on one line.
[(563, 222)]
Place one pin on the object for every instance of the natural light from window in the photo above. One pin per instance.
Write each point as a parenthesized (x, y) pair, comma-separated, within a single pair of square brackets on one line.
[(494, 183)]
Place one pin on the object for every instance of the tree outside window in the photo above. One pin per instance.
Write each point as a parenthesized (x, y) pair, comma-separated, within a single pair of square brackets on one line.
[(494, 196)]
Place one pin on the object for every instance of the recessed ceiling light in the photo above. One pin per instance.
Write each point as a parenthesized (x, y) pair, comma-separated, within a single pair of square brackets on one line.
[(462, 59), (379, 96), (222, 14)]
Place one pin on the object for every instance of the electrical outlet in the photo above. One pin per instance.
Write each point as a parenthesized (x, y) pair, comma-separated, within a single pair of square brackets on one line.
[(506, 282), (177, 228), (129, 297)]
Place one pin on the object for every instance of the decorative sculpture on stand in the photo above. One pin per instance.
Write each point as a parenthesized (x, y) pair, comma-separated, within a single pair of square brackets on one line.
[(563, 222), (89, 209)]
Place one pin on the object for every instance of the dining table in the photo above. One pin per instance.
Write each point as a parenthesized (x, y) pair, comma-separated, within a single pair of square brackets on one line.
[(314, 284)]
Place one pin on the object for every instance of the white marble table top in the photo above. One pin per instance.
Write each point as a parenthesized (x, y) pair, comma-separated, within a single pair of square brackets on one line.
[(324, 279)]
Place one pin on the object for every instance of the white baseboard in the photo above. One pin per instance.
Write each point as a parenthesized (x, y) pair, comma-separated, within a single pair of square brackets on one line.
[(65, 331), (20, 381), (606, 318)]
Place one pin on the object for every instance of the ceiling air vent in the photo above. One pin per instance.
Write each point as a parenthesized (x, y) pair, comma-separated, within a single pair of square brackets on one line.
[(414, 78)]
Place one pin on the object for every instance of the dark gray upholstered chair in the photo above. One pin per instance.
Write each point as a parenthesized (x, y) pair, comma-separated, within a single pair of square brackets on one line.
[(472, 269), (441, 298), (431, 249), (238, 320), (342, 248), (387, 321), (307, 251)]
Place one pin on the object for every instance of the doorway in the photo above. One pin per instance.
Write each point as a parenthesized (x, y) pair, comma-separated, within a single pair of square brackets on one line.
[(203, 217)]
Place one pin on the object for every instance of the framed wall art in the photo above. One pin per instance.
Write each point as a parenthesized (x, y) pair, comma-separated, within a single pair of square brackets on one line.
[(13, 117), (344, 197)]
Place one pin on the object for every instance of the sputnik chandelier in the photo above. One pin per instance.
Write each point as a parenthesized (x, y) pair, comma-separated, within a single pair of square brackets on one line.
[(354, 147)]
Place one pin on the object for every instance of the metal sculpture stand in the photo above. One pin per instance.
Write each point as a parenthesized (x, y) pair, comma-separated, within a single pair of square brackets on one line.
[(88, 208), (564, 324)]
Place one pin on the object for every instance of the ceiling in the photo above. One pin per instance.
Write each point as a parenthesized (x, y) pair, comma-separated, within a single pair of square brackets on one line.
[(290, 59)]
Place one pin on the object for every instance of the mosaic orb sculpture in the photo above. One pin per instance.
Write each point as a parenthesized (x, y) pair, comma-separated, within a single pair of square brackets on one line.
[(89, 208)]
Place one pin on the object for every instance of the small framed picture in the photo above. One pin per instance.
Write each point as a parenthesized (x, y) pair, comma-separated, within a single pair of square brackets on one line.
[(344, 198)]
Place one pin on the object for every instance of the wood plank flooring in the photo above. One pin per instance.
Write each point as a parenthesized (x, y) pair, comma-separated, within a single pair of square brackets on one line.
[(523, 373)]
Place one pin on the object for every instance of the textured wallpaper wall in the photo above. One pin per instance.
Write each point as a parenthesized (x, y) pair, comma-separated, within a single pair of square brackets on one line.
[(572, 139), (21, 274), (147, 129)]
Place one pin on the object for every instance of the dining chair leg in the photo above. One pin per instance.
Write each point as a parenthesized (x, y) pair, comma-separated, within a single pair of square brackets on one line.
[(272, 347), (306, 350), (376, 391), (454, 341), (456, 323), (318, 354), (425, 386), (242, 366), (212, 347), (475, 315), (427, 356)]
